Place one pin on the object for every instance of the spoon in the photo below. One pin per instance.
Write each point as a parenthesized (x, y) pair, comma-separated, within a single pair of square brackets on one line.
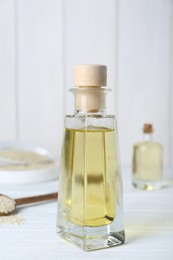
[(8, 205)]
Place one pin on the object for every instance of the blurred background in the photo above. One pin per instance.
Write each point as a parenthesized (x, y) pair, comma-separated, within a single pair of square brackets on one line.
[(42, 40)]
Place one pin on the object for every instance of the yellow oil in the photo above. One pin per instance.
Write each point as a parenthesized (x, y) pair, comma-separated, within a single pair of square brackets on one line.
[(147, 161), (89, 176)]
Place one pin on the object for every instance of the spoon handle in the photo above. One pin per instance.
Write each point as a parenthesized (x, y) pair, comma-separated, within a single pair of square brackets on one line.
[(37, 198)]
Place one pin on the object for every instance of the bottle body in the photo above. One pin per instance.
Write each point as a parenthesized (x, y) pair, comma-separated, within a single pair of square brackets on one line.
[(147, 165), (90, 210)]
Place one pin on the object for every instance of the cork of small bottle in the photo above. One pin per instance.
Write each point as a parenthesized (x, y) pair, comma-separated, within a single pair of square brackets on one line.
[(90, 79), (148, 128)]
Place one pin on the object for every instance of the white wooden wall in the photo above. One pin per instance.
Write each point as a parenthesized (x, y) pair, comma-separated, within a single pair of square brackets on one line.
[(41, 41)]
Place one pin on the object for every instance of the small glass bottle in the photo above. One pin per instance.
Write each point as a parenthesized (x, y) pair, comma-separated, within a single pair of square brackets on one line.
[(147, 162), (90, 207)]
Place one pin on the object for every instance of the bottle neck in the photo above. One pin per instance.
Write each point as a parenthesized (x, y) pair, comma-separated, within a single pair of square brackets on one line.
[(90, 100), (148, 137), (99, 112)]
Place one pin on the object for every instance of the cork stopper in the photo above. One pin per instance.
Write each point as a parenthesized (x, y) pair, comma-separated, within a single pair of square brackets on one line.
[(89, 82), (148, 128), (90, 75)]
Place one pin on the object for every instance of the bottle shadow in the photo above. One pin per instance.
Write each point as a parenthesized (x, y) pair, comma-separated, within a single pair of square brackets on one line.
[(146, 224), (148, 214)]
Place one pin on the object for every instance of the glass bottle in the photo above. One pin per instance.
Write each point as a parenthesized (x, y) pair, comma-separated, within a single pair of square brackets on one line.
[(147, 162), (90, 207)]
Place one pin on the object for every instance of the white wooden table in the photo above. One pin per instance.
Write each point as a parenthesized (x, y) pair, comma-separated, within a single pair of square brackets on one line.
[(148, 224)]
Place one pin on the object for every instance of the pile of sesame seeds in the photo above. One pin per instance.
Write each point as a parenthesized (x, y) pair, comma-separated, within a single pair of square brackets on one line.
[(12, 219)]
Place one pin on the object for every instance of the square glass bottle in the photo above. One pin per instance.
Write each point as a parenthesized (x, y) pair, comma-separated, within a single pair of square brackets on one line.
[(90, 206)]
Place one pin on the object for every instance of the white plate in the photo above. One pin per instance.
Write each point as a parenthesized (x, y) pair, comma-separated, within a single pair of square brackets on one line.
[(28, 176)]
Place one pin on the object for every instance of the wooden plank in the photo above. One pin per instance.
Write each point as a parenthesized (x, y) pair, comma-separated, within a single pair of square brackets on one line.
[(144, 73), (90, 38), (148, 231), (171, 84), (40, 72), (148, 226), (7, 71)]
